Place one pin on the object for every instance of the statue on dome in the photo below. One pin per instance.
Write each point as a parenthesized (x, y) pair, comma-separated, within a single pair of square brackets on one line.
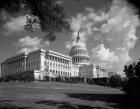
[(78, 38)]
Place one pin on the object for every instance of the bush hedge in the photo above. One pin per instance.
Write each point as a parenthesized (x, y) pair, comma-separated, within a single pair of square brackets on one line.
[(26, 76)]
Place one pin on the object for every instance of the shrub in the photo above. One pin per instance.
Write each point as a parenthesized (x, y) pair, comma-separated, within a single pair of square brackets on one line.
[(26, 76), (90, 81), (101, 81), (132, 86), (115, 81), (46, 78)]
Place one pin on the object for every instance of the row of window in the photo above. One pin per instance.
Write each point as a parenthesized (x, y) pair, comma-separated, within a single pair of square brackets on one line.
[(56, 59), (62, 73), (14, 67), (79, 60), (34, 58), (76, 73), (16, 64), (13, 71), (79, 53), (58, 65), (33, 64)]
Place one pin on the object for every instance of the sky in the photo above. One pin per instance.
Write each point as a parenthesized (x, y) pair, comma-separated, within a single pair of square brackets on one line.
[(109, 29)]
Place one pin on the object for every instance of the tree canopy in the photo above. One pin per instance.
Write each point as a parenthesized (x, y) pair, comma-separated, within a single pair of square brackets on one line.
[(135, 3), (133, 70), (48, 14), (115, 81)]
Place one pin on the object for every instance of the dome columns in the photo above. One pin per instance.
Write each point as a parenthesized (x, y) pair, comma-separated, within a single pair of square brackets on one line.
[(79, 53)]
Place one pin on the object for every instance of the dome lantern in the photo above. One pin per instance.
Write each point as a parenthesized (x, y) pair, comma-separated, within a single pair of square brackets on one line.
[(78, 38)]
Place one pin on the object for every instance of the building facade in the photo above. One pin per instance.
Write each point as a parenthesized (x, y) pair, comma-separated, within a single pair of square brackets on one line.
[(53, 64), (43, 63), (92, 71), (13, 65), (57, 64)]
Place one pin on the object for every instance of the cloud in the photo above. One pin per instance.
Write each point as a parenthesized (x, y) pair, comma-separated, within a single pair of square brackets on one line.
[(15, 25), (4, 16), (116, 29), (85, 24), (104, 54), (119, 31), (82, 43), (29, 44), (112, 59), (87, 21), (59, 2)]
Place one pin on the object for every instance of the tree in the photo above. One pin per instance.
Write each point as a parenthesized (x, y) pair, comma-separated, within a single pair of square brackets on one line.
[(135, 3), (47, 13), (129, 71), (132, 72), (137, 69), (115, 81)]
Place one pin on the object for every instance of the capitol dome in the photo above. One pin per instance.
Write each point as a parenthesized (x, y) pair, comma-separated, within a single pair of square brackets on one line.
[(79, 53)]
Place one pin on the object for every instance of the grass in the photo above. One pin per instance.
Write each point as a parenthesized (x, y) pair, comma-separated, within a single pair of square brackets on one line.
[(45, 95)]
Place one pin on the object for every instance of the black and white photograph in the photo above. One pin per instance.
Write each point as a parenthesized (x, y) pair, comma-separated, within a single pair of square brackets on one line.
[(69, 54)]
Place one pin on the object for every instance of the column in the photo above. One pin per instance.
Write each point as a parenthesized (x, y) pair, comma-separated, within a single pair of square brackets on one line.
[(25, 63), (20, 65)]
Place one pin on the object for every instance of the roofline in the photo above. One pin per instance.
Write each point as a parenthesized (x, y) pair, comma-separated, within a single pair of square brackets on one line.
[(18, 55), (51, 51), (38, 50)]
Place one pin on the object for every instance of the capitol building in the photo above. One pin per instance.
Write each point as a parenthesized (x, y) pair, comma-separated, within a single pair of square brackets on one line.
[(53, 64)]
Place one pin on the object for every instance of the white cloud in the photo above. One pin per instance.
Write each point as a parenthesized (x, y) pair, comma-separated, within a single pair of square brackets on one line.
[(59, 2), (28, 43), (112, 59), (119, 31), (84, 23), (104, 54), (82, 41), (68, 44), (15, 25), (115, 28)]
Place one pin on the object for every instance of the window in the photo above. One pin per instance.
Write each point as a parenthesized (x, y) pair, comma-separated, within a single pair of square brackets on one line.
[(56, 64), (50, 63), (59, 72), (50, 57), (53, 64)]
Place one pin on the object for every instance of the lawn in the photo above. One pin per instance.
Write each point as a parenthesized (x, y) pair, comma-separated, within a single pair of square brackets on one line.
[(45, 95)]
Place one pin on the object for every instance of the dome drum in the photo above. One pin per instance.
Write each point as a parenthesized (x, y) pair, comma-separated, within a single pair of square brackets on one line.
[(79, 53), (81, 56)]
